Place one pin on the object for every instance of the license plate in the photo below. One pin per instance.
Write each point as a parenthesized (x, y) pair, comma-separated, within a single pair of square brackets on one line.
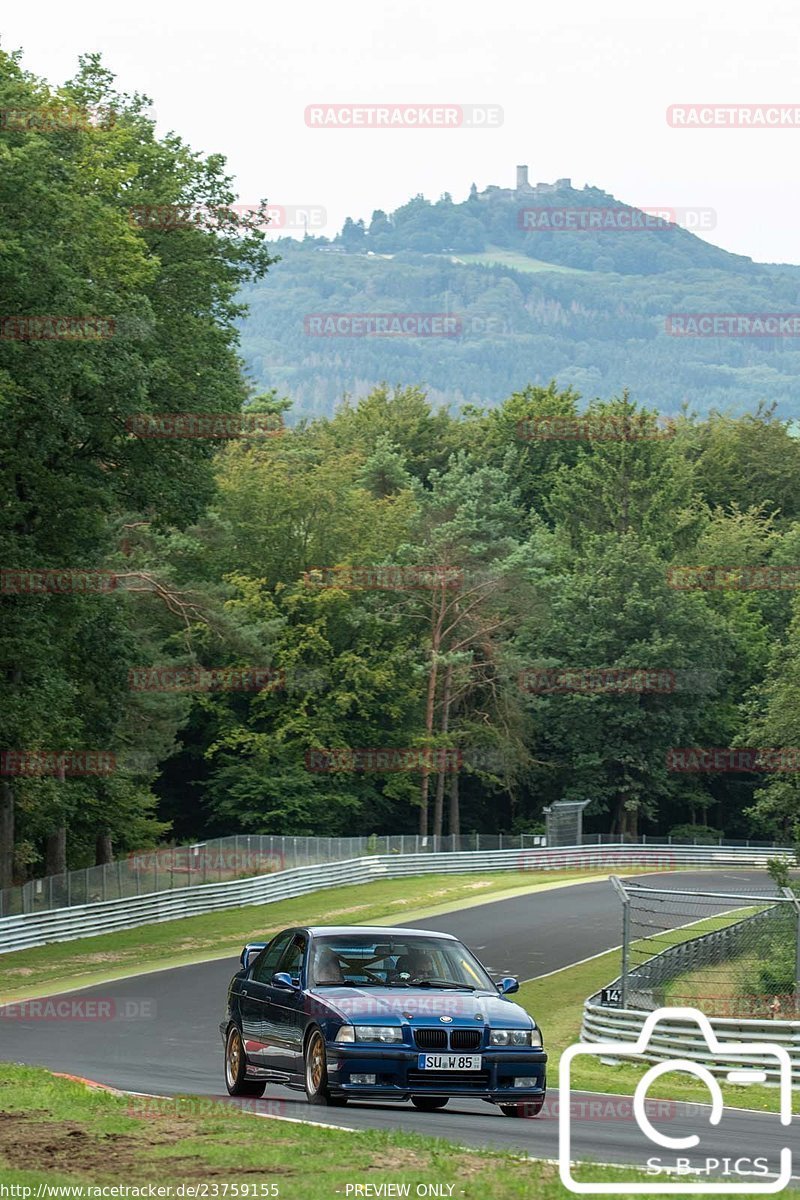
[(449, 1062)]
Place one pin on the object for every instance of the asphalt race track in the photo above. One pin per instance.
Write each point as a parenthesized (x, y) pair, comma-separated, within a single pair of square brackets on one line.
[(177, 1049)]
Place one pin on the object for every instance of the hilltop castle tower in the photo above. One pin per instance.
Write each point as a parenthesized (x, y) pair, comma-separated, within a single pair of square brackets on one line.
[(524, 187), (541, 188)]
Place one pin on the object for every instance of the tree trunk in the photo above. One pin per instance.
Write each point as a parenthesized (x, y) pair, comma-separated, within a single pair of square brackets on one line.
[(103, 852), (633, 823), (55, 854), (438, 804), (7, 813), (6, 834), (455, 811), (437, 619), (423, 787)]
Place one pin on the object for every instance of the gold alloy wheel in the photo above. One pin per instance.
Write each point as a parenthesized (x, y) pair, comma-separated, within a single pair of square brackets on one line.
[(233, 1057), (315, 1063)]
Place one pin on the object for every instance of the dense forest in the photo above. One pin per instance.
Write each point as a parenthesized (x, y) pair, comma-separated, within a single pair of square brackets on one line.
[(372, 621), (587, 308)]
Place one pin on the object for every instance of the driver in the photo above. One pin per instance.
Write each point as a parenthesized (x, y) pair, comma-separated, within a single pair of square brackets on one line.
[(328, 971), (417, 963)]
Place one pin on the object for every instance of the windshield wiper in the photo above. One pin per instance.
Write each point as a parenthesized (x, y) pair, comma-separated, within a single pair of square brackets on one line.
[(444, 983)]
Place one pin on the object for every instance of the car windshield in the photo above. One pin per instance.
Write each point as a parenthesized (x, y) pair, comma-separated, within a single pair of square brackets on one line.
[(400, 962)]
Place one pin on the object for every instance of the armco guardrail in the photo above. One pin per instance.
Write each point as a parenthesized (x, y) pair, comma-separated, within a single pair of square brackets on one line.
[(243, 855), (239, 856), (672, 1039), (65, 924)]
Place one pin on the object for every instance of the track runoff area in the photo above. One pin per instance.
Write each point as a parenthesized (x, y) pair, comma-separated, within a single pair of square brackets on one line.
[(164, 1037)]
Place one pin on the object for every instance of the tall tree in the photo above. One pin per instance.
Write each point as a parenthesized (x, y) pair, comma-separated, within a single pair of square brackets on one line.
[(609, 744), (163, 338)]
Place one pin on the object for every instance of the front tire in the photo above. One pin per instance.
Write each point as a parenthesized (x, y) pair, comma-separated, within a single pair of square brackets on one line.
[(236, 1068), (531, 1108), (428, 1103), (316, 1073)]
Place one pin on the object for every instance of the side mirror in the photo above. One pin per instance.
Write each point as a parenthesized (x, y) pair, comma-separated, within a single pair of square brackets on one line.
[(284, 981), (249, 953), (507, 985)]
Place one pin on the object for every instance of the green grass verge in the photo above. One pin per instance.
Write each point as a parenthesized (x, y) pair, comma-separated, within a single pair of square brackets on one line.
[(59, 966), (518, 262), (56, 1131)]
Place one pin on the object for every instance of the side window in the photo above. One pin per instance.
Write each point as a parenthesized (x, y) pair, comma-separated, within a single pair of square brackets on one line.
[(292, 960), (267, 962)]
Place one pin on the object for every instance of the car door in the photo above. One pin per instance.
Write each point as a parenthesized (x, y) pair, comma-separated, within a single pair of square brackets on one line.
[(285, 1009), (258, 1043)]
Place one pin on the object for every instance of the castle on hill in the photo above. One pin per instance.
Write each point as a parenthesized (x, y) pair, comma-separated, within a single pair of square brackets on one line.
[(524, 188)]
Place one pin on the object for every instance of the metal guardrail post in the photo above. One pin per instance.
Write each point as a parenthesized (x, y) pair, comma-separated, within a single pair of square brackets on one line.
[(619, 887)]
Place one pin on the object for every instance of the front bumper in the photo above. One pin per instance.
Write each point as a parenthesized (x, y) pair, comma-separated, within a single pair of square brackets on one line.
[(397, 1074)]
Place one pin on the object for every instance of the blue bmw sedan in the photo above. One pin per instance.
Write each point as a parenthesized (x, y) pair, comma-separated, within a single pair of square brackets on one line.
[(367, 1012)]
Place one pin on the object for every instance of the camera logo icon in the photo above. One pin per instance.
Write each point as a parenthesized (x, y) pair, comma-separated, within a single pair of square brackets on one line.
[(738, 1063)]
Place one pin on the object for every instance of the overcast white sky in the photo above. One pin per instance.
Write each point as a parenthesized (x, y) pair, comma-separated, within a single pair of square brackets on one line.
[(584, 88)]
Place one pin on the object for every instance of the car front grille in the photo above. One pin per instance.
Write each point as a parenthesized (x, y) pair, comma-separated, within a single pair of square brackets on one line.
[(448, 1079), (437, 1039), (465, 1039), (431, 1039)]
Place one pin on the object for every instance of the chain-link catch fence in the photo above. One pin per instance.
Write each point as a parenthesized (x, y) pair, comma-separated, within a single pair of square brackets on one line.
[(726, 954)]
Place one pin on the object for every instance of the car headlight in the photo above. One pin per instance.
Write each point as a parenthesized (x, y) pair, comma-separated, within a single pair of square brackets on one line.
[(378, 1033), (515, 1037), (346, 1034)]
